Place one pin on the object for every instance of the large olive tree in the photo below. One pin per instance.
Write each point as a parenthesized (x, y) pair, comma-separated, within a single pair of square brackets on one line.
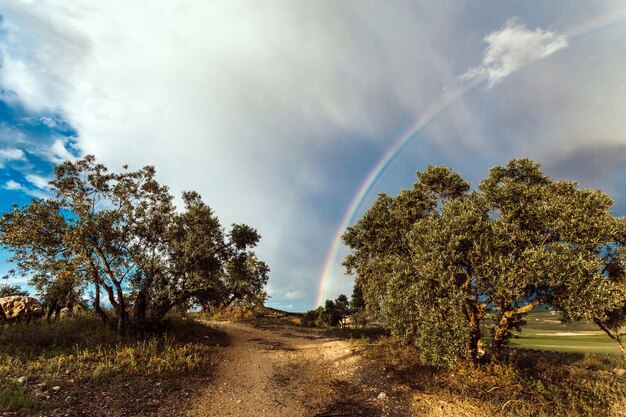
[(435, 259)]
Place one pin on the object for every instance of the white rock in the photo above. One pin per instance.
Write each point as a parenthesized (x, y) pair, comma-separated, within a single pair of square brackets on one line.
[(381, 396), (56, 388)]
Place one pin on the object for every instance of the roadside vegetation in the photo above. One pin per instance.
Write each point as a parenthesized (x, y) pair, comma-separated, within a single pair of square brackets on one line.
[(76, 363), (524, 383)]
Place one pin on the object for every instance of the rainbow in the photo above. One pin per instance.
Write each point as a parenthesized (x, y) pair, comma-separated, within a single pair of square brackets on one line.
[(447, 99)]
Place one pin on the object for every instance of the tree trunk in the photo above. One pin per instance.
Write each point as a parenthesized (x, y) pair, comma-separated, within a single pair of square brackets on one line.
[(96, 306), (474, 338), (502, 329), (499, 336), (122, 317), (615, 336), (51, 308), (474, 313)]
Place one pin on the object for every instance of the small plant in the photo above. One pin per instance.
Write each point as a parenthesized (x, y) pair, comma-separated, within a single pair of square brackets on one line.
[(14, 397), (78, 354)]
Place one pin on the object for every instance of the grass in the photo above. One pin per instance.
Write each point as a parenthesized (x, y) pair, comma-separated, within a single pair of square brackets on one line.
[(545, 373), (51, 365), (545, 331), (570, 342), (527, 383)]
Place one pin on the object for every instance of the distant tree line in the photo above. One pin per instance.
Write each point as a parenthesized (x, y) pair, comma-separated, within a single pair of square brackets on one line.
[(338, 312), (119, 236), (435, 260)]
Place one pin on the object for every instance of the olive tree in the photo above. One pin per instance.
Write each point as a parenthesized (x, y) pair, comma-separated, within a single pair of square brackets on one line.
[(517, 241), (120, 234)]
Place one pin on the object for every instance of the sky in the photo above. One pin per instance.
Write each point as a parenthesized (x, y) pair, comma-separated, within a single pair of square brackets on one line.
[(291, 116)]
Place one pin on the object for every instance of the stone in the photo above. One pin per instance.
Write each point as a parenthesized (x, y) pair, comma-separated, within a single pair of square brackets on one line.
[(56, 388), (381, 396), (17, 307)]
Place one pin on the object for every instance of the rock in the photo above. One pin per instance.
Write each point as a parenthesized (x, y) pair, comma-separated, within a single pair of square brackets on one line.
[(56, 388), (381, 396), (17, 307)]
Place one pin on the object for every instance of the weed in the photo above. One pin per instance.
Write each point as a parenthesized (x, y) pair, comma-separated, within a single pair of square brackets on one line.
[(14, 397), (78, 354)]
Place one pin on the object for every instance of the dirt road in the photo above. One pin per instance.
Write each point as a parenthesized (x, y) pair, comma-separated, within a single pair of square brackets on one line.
[(287, 373)]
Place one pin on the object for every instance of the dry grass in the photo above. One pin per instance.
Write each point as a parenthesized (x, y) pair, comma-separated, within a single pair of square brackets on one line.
[(526, 384), (44, 365)]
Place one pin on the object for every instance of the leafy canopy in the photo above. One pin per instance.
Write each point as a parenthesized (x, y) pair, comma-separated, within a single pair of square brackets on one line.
[(437, 260), (120, 235)]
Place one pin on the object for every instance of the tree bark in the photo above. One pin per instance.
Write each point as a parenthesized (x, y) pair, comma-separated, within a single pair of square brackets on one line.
[(122, 317), (96, 306), (615, 336), (502, 329)]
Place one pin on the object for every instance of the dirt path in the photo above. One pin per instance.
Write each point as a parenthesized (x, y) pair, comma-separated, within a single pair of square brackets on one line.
[(284, 373)]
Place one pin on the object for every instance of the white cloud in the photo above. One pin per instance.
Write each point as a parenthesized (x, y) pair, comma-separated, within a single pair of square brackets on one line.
[(38, 181), (512, 47), (11, 154), (12, 185), (58, 151)]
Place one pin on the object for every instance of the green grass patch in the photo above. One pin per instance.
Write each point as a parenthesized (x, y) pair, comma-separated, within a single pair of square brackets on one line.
[(15, 397), (570, 341)]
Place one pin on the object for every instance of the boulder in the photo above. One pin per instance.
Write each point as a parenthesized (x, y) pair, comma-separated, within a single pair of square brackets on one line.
[(20, 306)]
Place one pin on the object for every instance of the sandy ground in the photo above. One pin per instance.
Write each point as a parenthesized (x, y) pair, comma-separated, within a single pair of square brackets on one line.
[(289, 373)]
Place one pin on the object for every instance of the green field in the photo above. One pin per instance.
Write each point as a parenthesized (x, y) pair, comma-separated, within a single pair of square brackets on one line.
[(558, 341), (544, 331)]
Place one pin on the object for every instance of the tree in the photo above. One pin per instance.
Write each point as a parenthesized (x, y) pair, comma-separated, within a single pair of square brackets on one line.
[(7, 290), (328, 315), (358, 315), (120, 234), (310, 317), (342, 305), (517, 241), (357, 302)]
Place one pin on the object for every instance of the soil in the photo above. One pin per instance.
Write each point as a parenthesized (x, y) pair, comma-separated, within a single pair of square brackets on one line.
[(287, 372)]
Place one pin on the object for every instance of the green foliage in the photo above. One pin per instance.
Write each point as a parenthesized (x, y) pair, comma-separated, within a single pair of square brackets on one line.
[(309, 318), (7, 290), (14, 397), (332, 314), (433, 259), (121, 234), (329, 316)]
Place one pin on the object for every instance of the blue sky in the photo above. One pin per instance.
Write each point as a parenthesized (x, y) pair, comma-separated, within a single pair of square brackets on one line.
[(276, 111)]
